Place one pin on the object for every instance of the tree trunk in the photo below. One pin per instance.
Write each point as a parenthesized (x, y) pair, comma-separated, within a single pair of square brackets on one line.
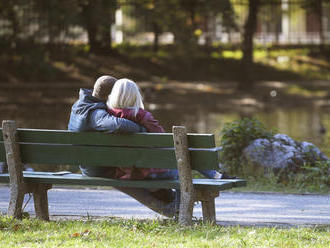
[(184, 29), (13, 19), (92, 32), (207, 33), (319, 13), (246, 80), (97, 16), (156, 30)]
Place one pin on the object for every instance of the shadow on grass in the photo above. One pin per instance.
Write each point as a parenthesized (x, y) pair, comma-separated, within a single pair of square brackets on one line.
[(30, 64), (72, 63)]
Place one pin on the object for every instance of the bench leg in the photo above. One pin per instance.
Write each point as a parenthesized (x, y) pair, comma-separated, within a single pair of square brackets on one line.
[(207, 197), (40, 198), (15, 166), (208, 208), (182, 156), (16, 201)]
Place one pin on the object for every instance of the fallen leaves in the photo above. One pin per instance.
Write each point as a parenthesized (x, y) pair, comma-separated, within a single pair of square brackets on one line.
[(81, 234)]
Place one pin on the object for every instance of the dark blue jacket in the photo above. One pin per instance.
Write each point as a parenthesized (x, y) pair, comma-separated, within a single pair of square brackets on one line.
[(90, 114)]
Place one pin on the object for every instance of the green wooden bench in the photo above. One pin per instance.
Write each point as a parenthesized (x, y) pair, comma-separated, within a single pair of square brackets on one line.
[(144, 150)]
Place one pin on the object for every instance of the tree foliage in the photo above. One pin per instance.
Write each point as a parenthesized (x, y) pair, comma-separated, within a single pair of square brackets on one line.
[(187, 20), (53, 21)]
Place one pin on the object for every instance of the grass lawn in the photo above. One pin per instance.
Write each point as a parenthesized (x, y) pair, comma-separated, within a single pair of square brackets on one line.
[(131, 233)]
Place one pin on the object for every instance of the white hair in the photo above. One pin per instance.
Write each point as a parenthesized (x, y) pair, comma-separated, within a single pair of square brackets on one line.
[(125, 94)]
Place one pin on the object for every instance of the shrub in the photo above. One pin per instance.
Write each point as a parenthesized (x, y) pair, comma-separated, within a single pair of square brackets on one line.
[(235, 137), (319, 171)]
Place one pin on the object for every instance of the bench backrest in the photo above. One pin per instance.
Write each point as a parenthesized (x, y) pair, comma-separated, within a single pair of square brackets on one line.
[(143, 150)]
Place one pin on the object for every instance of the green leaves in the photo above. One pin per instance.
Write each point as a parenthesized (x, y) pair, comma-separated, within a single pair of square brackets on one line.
[(318, 172), (313, 176), (236, 136)]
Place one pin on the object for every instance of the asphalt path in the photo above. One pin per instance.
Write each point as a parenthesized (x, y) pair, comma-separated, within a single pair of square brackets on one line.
[(232, 208)]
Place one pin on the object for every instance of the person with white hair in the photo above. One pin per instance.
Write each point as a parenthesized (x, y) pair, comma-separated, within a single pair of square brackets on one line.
[(125, 101)]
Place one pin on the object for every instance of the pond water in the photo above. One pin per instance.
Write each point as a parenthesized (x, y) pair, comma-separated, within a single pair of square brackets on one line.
[(49, 108), (300, 123)]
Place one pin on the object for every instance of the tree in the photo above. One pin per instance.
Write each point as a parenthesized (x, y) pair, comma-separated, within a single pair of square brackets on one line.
[(191, 19), (153, 13), (209, 11), (185, 19), (55, 17), (181, 21), (176, 16), (250, 26), (97, 17), (316, 7), (11, 33)]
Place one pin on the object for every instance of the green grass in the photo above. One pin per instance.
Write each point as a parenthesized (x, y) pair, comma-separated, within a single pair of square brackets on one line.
[(295, 60), (131, 233), (313, 180), (271, 184)]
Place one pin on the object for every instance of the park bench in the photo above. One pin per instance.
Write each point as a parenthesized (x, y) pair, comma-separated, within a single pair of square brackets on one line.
[(180, 150)]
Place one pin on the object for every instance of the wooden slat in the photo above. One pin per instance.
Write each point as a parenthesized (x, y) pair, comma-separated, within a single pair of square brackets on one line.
[(113, 156), (236, 182), (106, 139), (76, 179), (2, 152)]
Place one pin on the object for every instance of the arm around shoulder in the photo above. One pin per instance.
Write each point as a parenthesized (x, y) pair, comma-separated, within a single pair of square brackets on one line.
[(101, 120)]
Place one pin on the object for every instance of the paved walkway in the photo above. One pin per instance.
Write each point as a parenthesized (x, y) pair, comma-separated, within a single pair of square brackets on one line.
[(232, 208)]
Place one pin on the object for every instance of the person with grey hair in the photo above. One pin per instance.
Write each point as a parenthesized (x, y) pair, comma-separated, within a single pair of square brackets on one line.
[(89, 113)]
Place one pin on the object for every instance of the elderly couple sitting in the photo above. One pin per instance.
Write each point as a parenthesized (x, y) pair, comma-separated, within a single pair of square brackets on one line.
[(116, 106)]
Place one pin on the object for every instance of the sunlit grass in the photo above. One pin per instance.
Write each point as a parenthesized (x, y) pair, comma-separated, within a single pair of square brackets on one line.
[(293, 60), (297, 90), (229, 54), (131, 233)]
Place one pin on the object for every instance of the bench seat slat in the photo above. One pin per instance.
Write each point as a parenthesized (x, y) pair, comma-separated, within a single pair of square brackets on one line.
[(100, 138), (77, 179), (100, 156)]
